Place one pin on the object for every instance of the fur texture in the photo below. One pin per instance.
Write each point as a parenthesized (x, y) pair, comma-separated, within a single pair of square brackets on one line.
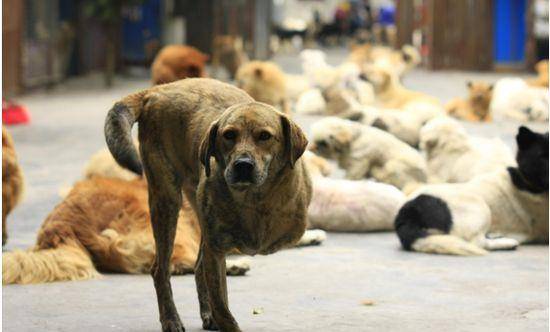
[(463, 219), (476, 107), (176, 62), (454, 156), (12, 180), (364, 152)]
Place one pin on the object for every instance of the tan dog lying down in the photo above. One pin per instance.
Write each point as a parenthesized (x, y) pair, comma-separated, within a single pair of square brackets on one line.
[(12, 180), (464, 218), (476, 107), (453, 156), (350, 206), (389, 92), (265, 82), (364, 152)]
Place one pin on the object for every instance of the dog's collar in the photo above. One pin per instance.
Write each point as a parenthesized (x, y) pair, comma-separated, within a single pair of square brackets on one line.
[(523, 184)]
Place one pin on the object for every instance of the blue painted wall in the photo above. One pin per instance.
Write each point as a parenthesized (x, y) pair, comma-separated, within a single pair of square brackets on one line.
[(141, 25), (510, 30)]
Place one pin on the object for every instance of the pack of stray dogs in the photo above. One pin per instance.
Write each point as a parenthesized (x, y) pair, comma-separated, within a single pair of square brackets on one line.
[(222, 169)]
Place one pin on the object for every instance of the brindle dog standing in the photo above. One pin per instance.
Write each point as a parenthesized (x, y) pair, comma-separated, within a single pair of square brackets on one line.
[(251, 192)]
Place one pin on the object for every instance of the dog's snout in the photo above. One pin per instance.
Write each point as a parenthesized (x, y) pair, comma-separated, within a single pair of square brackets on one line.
[(244, 169)]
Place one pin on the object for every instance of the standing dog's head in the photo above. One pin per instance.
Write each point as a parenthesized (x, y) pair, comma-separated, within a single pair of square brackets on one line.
[(532, 159), (251, 141)]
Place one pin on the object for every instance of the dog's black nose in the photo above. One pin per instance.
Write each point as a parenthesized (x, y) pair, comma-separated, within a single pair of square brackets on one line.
[(244, 169)]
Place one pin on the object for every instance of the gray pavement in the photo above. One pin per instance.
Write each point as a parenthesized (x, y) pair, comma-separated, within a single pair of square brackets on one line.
[(308, 289)]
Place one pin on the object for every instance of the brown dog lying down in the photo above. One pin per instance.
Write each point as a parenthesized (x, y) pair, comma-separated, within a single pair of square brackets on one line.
[(542, 75), (238, 163), (476, 107), (103, 224), (12, 180), (176, 62)]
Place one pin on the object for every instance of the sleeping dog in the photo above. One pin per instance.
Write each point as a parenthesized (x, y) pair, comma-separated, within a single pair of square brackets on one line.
[(457, 219), (364, 151)]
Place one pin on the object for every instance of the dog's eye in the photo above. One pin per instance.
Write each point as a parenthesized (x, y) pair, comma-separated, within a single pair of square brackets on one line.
[(230, 134), (321, 144), (264, 136)]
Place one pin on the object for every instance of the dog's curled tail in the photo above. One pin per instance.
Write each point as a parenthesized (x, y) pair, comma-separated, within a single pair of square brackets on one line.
[(118, 131), (447, 245), (47, 265), (420, 218)]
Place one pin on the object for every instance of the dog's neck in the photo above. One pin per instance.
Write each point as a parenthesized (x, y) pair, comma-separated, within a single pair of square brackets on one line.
[(523, 184)]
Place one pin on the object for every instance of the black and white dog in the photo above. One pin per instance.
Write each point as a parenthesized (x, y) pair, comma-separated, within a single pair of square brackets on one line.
[(463, 218)]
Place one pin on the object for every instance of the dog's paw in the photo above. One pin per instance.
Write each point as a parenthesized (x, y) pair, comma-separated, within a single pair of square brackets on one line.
[(237, 267), (110, 233), (312, 238), (172, 325), (208, 323)]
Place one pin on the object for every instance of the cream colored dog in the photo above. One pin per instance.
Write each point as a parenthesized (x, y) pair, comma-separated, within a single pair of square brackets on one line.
[(349, 206), (462, 218), (364, 152), (453, 156), (403, 125)]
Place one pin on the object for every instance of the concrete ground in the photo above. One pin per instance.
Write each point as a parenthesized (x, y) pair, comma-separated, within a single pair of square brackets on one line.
[(307, 289)]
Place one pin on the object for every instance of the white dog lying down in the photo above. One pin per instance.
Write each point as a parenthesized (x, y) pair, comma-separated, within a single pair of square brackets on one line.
[(364, 151), (350, 206), (453, 156), (514, 98), (456, 218), (404, 124)]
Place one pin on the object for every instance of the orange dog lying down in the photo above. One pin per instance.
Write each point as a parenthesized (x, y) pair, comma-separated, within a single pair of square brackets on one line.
[(176, 62), (103, 224)]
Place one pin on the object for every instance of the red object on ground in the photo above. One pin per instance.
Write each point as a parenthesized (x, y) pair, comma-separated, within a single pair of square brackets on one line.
[(14, 113)]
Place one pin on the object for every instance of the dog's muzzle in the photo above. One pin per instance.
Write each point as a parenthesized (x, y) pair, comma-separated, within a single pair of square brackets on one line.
[(242, 172)]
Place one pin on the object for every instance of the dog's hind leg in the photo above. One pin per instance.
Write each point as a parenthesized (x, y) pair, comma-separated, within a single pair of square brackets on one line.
[(165, 198)]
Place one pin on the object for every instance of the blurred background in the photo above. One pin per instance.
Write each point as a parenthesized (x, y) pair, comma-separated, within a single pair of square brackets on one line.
[(48, 41)]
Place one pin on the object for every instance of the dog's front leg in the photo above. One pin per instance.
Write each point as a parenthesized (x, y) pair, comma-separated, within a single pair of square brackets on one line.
[(215, 277), (358, 169), (208, 322)]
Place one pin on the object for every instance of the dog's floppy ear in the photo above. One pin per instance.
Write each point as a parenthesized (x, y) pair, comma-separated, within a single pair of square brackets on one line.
[(295, 141), (207, 148), (525, 137)]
